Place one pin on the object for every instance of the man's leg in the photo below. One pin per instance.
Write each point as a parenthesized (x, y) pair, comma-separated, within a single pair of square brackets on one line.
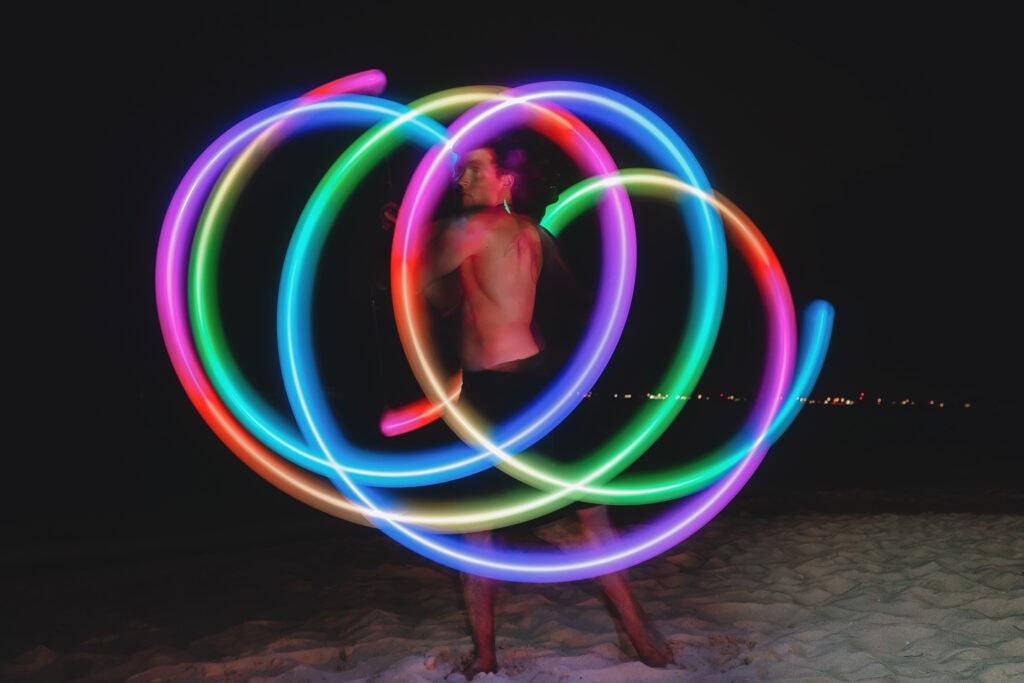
[(649, 644), (478, 593)]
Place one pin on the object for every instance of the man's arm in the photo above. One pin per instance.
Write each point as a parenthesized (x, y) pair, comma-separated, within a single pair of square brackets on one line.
[(449, 246), (434, 277), (444, 293)]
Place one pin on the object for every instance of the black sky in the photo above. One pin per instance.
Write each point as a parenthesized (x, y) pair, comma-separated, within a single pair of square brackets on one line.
[(866, 145), (872, 144)]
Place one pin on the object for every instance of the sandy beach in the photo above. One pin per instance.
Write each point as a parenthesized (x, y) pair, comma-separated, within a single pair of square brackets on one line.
[(840, 587)]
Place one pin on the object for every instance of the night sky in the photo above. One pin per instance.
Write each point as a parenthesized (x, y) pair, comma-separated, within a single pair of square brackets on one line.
[(870, 144)]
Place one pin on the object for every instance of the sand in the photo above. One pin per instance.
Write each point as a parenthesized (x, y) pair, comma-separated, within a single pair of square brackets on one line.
[(868, 592)]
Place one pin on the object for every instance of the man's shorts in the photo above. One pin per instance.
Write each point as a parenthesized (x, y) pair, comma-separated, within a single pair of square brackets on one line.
[(495, 396)]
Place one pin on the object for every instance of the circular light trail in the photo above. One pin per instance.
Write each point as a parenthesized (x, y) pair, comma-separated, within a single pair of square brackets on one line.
[(307, 455)]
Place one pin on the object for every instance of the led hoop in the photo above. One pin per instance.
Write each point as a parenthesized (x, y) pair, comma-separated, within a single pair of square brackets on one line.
[(511, 565), (284, 298)]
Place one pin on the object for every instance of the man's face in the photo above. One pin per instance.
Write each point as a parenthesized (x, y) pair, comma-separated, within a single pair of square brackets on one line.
[(479, 181)]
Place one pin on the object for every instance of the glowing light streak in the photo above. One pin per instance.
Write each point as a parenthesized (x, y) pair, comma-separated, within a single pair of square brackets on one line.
[(273, 448)]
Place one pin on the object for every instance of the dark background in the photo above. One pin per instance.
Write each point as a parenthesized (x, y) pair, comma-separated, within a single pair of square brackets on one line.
[(873, 144)]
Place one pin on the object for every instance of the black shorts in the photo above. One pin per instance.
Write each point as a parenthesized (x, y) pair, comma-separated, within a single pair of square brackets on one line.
[(497, 395)]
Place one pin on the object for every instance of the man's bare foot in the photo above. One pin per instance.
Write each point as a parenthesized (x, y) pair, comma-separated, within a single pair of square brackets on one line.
[(655, 656), (651, 647), (479, 666)]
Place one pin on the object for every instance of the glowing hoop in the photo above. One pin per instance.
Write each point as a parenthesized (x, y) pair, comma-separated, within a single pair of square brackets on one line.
[(306, 461)]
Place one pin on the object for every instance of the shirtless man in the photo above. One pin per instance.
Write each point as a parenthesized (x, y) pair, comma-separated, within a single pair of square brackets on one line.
[(485, 266)]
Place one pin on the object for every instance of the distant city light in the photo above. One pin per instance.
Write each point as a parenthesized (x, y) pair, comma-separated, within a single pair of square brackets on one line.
[(828, 400)]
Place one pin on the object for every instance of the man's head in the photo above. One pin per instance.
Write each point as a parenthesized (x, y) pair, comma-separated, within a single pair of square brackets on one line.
[(516, 167), (482, 181)]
